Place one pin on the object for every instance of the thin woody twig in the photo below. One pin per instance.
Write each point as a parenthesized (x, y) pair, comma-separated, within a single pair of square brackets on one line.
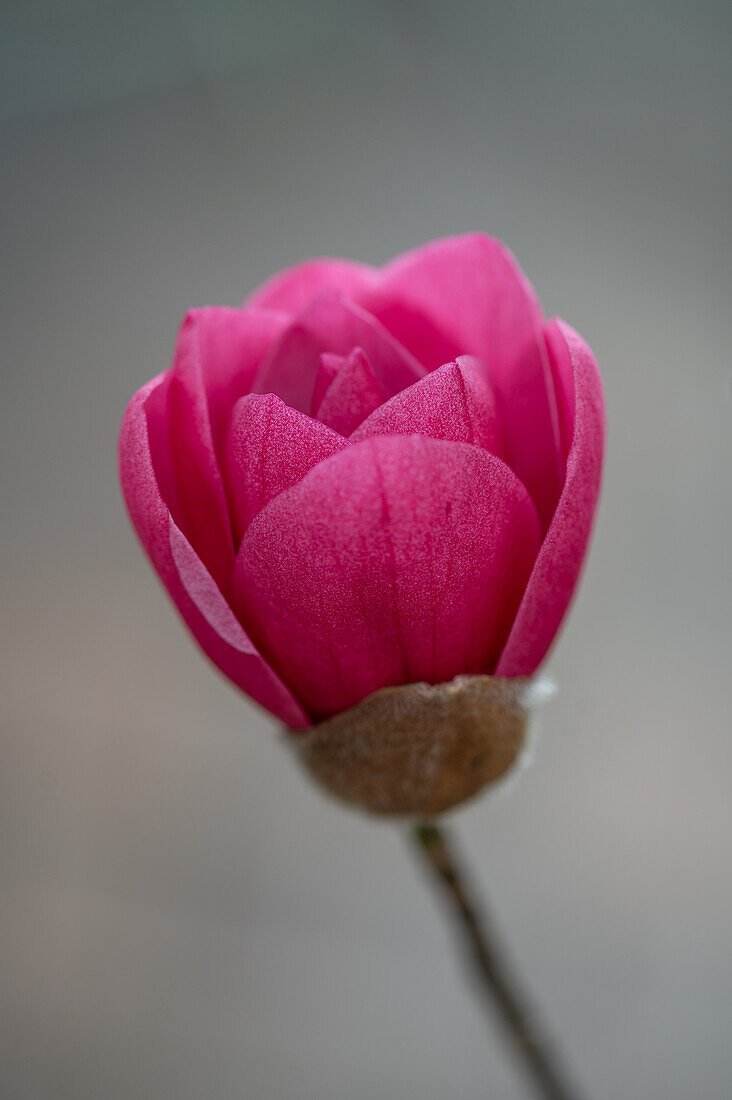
[(488, 965)]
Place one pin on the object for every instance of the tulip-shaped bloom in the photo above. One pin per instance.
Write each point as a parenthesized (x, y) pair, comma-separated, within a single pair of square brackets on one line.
[(370, 477)]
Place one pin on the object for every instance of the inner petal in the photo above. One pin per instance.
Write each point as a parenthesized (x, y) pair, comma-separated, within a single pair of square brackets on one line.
[(353, 393), (329, 366), (455, 402), (269, 448), (332, 324)]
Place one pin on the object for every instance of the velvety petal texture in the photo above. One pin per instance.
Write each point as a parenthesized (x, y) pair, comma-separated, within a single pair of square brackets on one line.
[(351, 395), (455, 402), (401, 559), (365, 477), (270, 447)]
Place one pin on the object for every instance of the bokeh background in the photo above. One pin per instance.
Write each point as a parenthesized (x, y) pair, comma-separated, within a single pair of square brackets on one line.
[(181, 914)]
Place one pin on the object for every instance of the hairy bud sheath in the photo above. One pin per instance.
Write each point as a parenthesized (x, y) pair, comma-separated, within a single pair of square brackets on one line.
[(419, 749)]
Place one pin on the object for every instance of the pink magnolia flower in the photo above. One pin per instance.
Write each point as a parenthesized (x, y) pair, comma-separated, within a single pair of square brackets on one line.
[(366, 477)]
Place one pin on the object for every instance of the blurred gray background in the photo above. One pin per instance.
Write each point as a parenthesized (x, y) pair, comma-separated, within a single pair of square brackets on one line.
[(181, 914)]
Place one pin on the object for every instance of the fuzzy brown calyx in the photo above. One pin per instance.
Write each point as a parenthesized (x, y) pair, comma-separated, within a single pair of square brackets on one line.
[(419, 749)]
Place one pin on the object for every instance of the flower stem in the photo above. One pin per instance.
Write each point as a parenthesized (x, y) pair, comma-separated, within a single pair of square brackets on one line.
[(488, 966)]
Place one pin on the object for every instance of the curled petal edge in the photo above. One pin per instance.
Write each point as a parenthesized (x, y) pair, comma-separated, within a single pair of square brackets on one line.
[(558, 564), (191, 587)]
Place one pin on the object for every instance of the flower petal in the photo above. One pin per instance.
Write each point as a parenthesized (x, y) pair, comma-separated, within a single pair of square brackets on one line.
[(467, 295), (400, 559), (331, 324), (352, 395), (270, 447), (216, 357), (189, 584), (456, 402), (559, 561), (292, 289), (471, 289), (563, 378), (328, 369)]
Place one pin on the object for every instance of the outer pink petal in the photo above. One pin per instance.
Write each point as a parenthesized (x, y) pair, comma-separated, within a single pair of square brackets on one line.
[(400, 559), (558, 564), (292, 289), (456, 402), (472, 291), (564, 383), (191, 587), (353, 393), (467, 295), (331, 324), (270, 447), (216, 357)]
